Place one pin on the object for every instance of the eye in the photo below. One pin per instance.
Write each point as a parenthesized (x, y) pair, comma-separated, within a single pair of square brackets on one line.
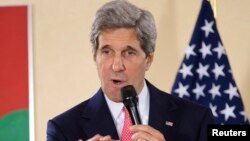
[(105, 51), (131, 52)]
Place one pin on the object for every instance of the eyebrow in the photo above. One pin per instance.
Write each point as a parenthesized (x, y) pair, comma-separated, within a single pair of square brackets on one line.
[(131, 48), (104, 47), (128, 47)]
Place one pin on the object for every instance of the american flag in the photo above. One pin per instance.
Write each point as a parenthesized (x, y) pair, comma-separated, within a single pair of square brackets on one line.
[(205, 75)]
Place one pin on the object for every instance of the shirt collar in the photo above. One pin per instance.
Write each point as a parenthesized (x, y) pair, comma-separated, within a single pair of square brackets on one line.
[(114, 107)]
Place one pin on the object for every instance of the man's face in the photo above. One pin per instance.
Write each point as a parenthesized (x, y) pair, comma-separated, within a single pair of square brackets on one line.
[(120, 61)]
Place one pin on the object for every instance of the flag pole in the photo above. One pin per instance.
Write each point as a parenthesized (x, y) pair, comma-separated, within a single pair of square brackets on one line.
[(214, 7)]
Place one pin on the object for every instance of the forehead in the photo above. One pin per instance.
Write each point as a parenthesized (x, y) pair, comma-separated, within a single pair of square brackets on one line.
[(118, 36)]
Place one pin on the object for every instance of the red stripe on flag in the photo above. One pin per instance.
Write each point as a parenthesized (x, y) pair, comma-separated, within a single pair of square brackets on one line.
[(13, 59)]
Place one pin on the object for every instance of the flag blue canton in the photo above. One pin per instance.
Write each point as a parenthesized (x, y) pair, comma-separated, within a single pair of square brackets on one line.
[(205, 76)]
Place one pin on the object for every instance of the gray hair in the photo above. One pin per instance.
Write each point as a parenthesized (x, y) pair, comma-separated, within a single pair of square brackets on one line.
[(120, 14)]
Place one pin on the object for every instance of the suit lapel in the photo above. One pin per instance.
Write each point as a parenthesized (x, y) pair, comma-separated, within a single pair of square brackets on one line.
[(97, 118)]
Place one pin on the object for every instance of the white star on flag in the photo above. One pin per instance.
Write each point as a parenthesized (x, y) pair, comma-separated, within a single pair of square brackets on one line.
[(186, 70), (243, 113), (220, 50), (202, 70), (182, 90), (215, 91), (218, 70), (213, 109), (208, 27), (228, 112), (190, 51), (232, 91), (205, 50), (199, 90)]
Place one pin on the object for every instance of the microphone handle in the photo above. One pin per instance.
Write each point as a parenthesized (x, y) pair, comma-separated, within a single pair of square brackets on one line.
[(134, 114)]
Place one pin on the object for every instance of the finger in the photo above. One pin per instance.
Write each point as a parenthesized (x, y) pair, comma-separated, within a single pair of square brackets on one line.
[(142, 136), (145, 128), (141, 140), (105, 138), (95, 138), (146, 132)]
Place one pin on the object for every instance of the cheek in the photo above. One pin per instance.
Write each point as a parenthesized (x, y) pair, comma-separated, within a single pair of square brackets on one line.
[(137, 69), (102, 68), (98, 66)]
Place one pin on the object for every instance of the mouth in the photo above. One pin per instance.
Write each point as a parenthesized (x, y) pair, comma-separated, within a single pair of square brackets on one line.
[(118, 82)]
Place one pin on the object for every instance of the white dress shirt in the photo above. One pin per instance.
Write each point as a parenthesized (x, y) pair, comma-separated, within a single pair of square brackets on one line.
[(118, 115)]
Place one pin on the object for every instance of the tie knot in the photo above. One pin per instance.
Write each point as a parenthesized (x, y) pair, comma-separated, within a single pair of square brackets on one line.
[(125, 110)]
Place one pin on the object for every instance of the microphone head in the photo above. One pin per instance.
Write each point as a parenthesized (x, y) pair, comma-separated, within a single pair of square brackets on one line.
[(129, 95)]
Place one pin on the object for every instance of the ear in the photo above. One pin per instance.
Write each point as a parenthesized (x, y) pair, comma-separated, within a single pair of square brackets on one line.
[(149, 60), (94, 54), (94, 57)]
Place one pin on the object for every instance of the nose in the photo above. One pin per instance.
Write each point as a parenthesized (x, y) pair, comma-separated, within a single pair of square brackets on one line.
[(118, 65)]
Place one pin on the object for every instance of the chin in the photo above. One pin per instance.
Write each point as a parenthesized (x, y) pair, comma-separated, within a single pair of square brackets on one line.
[(116, 99), (114, 95)]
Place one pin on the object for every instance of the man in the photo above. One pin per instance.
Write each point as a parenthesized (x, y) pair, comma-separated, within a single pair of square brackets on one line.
[(123, 38)]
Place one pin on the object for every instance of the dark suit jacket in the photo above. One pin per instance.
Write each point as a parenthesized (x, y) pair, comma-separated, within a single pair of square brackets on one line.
[(93, 116)]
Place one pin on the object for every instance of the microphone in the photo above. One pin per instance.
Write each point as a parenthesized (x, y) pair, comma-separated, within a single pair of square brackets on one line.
[(130, 100)]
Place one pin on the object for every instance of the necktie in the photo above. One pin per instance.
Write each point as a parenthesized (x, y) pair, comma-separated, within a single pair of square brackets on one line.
[(126, 133)]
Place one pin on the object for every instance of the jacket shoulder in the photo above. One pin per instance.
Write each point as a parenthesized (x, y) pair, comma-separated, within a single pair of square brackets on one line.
[(71, 114)]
